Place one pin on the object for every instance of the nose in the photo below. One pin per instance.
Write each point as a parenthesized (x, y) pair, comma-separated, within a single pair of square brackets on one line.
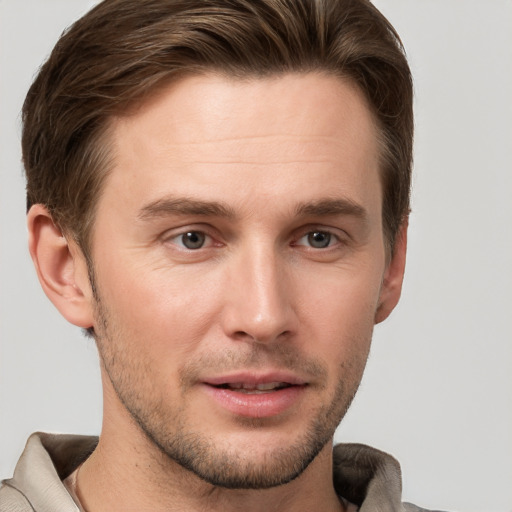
[(259, 298)]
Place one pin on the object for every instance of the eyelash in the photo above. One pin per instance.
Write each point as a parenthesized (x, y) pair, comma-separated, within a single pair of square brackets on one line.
[(332, 239), (180, 236)]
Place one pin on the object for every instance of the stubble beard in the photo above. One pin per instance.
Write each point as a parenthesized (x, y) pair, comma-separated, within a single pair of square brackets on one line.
[(166, 427)]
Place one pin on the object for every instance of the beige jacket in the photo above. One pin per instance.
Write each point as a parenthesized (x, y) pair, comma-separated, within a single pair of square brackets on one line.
[(362, 475)]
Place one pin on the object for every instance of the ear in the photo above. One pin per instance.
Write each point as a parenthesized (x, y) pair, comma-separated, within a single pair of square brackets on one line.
[(61, 268), (391, 287)]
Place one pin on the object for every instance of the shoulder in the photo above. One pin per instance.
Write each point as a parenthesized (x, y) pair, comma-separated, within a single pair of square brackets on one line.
[(12, 500), (409, 507)]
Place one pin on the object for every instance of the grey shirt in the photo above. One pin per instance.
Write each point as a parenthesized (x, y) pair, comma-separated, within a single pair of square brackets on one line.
[(367, 477)]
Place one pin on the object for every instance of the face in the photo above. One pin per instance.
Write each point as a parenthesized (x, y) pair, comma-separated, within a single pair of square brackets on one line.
[(238, 257)]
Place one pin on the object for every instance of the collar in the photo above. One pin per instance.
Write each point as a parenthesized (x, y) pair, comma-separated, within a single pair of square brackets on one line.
[(45, 462), (367, 477)]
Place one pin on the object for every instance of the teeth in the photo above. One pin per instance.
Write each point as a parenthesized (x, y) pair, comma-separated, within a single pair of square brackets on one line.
[(266, 387), (255, 388)]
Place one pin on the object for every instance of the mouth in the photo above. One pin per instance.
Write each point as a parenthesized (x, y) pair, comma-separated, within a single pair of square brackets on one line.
[(248, 382), (253, 389), (256, 396)]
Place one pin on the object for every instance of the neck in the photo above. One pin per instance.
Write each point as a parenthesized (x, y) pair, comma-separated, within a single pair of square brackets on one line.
[(119, 476), (124, 476)]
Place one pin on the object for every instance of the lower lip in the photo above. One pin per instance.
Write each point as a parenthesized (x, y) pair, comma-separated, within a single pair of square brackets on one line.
[(256, 405)]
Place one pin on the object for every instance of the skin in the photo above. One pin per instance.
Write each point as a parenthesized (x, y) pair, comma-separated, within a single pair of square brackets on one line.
[(255, 167)]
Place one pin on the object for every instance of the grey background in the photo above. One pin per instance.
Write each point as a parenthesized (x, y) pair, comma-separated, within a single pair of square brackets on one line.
[(437, 392)]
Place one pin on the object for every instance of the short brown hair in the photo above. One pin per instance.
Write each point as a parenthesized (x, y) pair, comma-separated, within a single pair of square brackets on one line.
[(122, 50)]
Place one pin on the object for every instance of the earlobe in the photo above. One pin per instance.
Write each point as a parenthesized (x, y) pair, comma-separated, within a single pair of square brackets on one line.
[(60, 267), (393, 276)]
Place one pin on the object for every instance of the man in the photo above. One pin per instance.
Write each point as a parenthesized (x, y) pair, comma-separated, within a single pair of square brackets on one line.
[(218, 193)]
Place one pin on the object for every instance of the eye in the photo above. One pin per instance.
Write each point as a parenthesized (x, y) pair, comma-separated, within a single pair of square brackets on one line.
[(317, 239), (190, 240)]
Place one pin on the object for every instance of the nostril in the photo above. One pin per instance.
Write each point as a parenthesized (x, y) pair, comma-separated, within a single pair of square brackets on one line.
[(261, 337)]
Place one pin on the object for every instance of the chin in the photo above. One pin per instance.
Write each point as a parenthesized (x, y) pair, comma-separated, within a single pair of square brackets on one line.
[(245, 468)]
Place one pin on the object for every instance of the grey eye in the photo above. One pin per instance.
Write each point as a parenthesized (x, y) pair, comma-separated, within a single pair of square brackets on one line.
[(319, 239), (193, 239)]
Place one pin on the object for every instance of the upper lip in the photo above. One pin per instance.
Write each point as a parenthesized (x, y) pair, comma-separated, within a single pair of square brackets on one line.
[(254, 378)]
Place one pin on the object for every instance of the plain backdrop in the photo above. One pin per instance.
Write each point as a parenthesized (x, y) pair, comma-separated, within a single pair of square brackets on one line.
[(437, 392)]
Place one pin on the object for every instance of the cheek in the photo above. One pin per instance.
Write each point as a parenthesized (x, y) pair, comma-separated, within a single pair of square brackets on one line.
[(340, 314), (170, 309), (342, 298)]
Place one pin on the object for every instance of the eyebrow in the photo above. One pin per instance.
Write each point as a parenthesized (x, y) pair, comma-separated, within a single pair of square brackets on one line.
[(184, 206), (326, 207)]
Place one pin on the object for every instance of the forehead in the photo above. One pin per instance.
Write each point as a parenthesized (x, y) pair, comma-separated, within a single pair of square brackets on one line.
[(209, 134), (213, 107)]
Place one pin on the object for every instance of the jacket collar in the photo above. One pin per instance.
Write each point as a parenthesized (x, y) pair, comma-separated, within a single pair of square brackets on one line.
[(367, 477), (45, 462)]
